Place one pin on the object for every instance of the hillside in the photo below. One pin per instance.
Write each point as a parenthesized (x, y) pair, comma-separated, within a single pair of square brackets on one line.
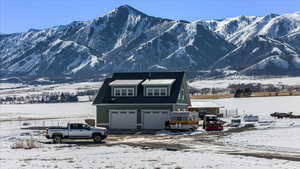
[(126, 39)]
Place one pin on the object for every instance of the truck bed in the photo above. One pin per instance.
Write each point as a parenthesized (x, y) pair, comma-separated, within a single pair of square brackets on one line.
[(57, 127)]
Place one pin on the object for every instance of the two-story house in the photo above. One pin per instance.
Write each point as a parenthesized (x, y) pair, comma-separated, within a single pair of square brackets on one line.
[(141, 100)]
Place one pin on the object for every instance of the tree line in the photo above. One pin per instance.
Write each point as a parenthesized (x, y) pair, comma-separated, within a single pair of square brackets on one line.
[(56, 97)]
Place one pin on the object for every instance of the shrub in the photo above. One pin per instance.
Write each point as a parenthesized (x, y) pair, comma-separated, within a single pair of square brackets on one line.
[(25, 143)]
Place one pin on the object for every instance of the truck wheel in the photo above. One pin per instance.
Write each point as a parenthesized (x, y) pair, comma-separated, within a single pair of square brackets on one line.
[(97, 138), (57, 139)]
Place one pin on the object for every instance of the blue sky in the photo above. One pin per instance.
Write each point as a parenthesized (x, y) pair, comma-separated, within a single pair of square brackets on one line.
[(21, 15)]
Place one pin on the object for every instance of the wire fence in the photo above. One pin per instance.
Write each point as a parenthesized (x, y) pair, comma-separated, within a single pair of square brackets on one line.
[(229, 113), (41, 123)]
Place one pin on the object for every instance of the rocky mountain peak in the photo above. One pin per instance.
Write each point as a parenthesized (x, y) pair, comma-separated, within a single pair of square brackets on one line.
[(125, 10), (126, 39)]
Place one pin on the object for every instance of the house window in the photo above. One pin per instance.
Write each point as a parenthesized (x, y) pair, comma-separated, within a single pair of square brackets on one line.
[(149, 92), (129, 92), (117, 92), (123, 91), (162, 91), (156, 92), (182, 95)]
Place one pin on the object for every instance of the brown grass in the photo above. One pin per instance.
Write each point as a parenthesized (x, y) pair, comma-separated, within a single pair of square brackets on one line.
[(255, 94), (214, 96), (282, 93)]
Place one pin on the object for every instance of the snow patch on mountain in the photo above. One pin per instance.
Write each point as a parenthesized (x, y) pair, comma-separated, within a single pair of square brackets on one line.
[(282, 25), (239, 29), (276, 50), (229, 26), (157, 67), (275, 60), (26, 64), (296, 62), (254, 50)]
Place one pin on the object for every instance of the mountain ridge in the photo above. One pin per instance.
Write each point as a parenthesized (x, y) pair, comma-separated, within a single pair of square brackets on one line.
[(126, 39)]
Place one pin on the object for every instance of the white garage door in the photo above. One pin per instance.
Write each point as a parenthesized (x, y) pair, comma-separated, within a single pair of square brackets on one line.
[(155, 119), (120, 119)]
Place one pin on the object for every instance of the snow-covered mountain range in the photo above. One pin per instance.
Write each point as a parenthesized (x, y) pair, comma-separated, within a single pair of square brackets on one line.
[(126, 39)]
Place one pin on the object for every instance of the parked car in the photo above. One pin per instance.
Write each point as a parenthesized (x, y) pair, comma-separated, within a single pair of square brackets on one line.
[(212, 123), (235, 122), (280, 115), (251, 118), (76, 131)]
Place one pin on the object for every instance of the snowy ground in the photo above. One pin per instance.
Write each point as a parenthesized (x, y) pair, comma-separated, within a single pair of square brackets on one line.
[(11, 89), (278, 138), (282, 135), (223, 83), (259, 105), (71, 110), (275, 146)]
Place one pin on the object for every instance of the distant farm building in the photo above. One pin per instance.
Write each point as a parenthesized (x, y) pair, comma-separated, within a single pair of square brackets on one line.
[(205, 107)]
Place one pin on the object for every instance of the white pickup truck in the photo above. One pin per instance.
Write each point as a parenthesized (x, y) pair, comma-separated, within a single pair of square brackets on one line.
[(76, 131)]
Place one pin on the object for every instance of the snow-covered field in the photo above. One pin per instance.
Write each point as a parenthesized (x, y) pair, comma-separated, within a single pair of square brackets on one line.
[(223, 83), (282, 135), (280, 138), (10, 85), (128, 157), (47, 110), (11, 89), (262, 106)]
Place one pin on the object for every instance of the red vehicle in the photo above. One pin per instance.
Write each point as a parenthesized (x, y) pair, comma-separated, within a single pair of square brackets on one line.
[(212, 123)]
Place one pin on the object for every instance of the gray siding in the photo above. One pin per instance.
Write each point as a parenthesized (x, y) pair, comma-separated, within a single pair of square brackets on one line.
[(180, 107), (186, 99), (102, 115)]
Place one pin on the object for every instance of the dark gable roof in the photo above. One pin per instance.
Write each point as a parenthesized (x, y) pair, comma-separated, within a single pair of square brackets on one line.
[(104, 94)]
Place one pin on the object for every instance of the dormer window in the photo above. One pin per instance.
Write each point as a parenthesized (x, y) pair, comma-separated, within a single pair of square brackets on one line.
[(124, 87), (157, 87), (156, 91), (123, 92)]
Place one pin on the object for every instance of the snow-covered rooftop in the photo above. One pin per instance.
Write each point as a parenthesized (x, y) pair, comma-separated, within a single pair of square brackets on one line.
[(125, 82), (205, 104), (158, 81)]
